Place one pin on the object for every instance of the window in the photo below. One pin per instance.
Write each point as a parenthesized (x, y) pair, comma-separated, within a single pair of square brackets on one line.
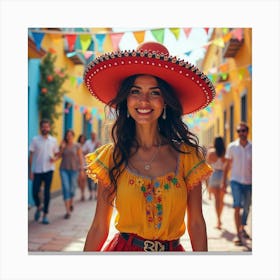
[(244, 107), (87, 126), (231, 123), (225, 125), (68, 116)]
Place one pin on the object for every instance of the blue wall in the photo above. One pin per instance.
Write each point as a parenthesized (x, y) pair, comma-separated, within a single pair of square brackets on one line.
[(33, 115)]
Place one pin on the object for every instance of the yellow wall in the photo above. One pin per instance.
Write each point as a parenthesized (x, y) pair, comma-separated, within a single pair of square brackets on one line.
[(223, 101)]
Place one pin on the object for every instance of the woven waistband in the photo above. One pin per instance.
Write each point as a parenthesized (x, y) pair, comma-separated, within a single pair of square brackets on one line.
[(151, 245)]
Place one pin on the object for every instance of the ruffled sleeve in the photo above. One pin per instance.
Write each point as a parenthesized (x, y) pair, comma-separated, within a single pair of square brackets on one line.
[(195, 168), (98, 164)]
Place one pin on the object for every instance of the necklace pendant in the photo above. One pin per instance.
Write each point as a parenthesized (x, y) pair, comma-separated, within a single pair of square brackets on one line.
[(147, 166)]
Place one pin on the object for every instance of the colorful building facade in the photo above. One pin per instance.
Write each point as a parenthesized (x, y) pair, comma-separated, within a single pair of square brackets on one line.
[(228, 64), (73, 49)]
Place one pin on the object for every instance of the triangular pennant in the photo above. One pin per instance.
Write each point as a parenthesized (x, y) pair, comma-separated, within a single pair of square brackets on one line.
[(88, 54), (227, 87), (158, 34), (116, 38), (85, 40), (38, 37), (71, 39), (72, 80), (225, 30), (188, 53), (176, 32), (100, 41), (79, 80), (241, 73), (206, 30), (227, 37), (249, 68), (219, 42), (139, 36), (238, 34), (187, 31), (51, 50)]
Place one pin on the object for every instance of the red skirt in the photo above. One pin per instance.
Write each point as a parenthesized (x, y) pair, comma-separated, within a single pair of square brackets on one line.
[(119, 243)]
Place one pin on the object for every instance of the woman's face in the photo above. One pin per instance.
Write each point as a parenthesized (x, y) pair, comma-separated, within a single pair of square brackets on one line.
[(70, 136), (145, 102)]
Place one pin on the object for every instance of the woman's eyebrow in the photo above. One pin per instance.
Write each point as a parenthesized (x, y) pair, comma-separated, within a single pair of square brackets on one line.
[(156, 87)]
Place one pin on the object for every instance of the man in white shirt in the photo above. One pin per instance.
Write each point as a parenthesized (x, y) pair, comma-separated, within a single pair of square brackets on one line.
[(239, 160), (43, 152), (90, 146)]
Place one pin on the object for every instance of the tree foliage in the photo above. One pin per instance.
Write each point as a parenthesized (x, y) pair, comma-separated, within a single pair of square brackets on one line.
[(51, 92)]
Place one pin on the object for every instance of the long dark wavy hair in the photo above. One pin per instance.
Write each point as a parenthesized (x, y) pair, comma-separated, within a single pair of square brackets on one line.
[(219, 146), (172, 129)]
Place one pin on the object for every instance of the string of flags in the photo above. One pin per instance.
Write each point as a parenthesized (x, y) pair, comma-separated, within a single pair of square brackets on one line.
[(89, 44)]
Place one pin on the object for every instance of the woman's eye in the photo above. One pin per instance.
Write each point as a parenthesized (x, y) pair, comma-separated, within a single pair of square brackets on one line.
[(134, 91), (156, 92)]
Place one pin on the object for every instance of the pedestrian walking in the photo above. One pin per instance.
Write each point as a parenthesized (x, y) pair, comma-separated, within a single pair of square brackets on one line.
[(239, 161), (70, 167), (216, 158), (82, 178), (90, 146), (152, 172), (43, 153)]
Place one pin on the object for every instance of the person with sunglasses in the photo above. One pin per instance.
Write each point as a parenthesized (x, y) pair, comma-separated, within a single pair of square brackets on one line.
[(239, 160)]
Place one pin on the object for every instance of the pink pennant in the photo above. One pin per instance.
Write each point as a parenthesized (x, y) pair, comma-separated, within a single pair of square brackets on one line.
[(206, 30), (187, 31), (116, 38), (238, 34)]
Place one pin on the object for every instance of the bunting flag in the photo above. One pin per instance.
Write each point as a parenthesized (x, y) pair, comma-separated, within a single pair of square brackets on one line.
[(219, 42), (71, 39), (139, 36), (241, 73), (249, 68), (158, 34), (175, 32), (116, 38), (206, 30), (237, 33), (38, 37), (188, 53), (100, 41), (227, 87), (79, 80), (72, 80), (225, 30), (227, 37), (85, 40), (187, 31), (94, 111), (51, 50), (88, 54)]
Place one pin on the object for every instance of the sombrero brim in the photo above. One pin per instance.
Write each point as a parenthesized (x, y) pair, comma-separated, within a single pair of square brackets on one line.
[(104, 75)]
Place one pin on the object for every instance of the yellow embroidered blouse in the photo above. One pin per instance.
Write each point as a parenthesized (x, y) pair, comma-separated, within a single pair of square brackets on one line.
[(153, 208)]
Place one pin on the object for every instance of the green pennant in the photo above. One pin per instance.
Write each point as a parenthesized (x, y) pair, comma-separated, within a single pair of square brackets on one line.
[(158, 34)]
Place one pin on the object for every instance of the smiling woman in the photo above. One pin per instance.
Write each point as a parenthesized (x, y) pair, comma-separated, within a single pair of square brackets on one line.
[(152, 171)]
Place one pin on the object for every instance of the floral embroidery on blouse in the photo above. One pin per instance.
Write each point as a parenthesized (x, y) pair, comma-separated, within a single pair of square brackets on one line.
[(153, 196)]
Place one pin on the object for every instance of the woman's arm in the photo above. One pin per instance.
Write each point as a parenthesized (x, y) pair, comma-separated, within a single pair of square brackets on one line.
[(196, 223), (99, 229)]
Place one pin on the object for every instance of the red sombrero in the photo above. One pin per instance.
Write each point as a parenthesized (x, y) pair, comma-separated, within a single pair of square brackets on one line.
[(104, 75)]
